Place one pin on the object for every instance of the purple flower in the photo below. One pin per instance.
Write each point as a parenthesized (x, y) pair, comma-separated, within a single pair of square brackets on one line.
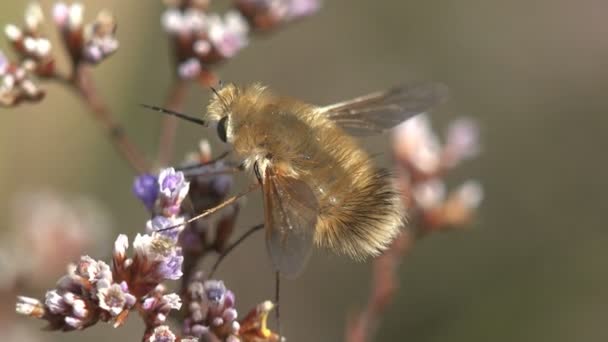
[(173, 189), (171, 266), (145, 187), (158, 248)]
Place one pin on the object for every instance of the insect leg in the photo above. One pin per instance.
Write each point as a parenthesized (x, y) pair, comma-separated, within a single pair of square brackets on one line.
[(233, 246), (276, 299)]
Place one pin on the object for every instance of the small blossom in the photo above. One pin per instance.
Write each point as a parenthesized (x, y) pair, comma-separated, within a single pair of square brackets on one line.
[(145, 188), (120, 246), (115, 298), (33, 16), (61, 14), (157, 307), (470, 194), (429, 194), (416, 143), (191, 68), (29, 307), (76, 16), (16, 86), (94, 271), (230, 35), (162, 334), (462, 141), (303, 8), (13, 33), (100, 39), (173, 189)]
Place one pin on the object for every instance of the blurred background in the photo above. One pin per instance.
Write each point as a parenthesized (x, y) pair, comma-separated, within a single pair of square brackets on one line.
[(533, 73)]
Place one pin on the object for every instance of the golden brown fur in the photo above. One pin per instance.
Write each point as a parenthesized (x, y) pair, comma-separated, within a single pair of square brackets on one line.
[(360, 212)]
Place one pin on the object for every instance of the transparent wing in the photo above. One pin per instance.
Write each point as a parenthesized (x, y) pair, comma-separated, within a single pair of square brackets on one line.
[(290, 211), (380, 111)]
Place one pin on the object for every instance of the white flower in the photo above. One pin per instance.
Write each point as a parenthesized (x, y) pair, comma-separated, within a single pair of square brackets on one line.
[(115, 298), (120, 246), (470, 194), (417, 141), (228, 36), (430, 194), (33, 16), (162, 334), (28, 306)]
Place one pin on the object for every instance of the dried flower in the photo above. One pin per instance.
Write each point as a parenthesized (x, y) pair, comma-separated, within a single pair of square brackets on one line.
[(162, 334), (254, 326), (115, 298), (156, 307), (16, 85)]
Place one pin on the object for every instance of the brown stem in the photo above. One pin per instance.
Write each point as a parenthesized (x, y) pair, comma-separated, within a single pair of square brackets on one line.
[(82, 83), (361, 327), (175, 101)]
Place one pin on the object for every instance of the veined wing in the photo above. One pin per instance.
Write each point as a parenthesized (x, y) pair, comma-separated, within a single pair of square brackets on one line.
[(290, 212), (377, 112)]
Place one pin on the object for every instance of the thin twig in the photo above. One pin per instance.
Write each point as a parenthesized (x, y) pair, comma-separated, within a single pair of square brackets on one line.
[(362, 326), (82, 83), (175, 101)]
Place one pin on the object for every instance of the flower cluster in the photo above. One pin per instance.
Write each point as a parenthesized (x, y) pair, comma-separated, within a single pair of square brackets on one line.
[(16, 84), (90, 43), (206, 183), (211, 312), (426, 161), (163, 196), (29, 41), (201, 39), (93, 291)]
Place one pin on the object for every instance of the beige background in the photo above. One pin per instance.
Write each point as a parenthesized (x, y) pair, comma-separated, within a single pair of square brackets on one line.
[(535, 75)]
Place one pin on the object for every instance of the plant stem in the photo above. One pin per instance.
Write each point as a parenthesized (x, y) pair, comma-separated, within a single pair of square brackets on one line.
[(82, 83)]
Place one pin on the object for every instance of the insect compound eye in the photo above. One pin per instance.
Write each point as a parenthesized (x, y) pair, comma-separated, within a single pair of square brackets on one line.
[(221, 128)]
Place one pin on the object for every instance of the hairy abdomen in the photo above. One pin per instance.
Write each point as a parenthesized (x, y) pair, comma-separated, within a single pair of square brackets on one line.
[(361, 210)]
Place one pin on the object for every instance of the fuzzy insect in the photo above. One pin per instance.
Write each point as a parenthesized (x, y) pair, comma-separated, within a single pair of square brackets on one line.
[(319, 187)]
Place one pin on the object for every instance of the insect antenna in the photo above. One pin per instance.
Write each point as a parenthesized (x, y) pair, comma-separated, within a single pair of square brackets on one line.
[(177, 114), (233, 246), (214, 209)]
